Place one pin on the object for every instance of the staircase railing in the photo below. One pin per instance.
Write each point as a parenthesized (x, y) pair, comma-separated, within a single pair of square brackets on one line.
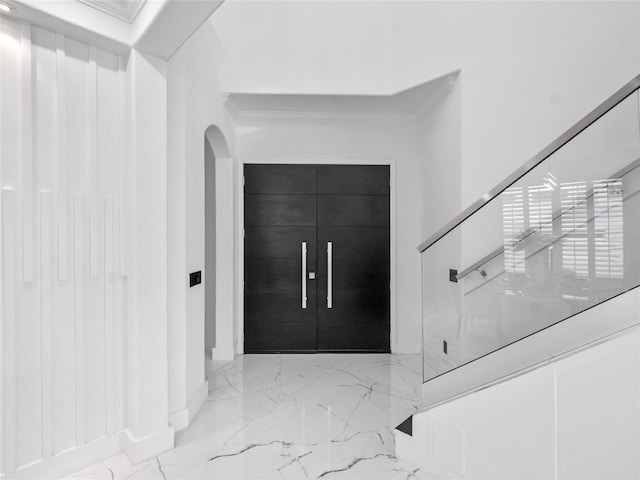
[(505, 281)]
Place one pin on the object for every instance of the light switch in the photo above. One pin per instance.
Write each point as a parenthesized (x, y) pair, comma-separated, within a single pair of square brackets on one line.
[(312, 275), (195, 278)]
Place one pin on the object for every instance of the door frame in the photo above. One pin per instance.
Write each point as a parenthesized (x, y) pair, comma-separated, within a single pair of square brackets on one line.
[(315, 161)]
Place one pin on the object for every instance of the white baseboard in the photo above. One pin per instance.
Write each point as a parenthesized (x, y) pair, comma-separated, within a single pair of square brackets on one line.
[(182, 418), (141, 449), (72, 460), (223, 353), (179, 419), (197, 400)]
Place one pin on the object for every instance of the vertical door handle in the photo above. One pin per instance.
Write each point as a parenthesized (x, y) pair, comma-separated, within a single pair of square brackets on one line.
[(304, 274), (329, 274)]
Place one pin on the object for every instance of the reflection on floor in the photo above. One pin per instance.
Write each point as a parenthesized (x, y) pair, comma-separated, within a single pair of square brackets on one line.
[(291, 417)]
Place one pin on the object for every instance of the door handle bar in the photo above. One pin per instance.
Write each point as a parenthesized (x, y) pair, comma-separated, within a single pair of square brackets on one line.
[(329, 274), (304, 274)]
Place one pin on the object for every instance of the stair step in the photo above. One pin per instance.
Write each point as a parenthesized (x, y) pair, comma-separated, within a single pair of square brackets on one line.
[(406, 426)]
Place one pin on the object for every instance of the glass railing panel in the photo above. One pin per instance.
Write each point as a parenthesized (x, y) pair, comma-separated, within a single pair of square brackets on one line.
[(559, 240)]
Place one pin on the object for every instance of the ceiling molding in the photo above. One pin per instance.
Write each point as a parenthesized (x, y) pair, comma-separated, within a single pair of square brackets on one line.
[(173, 25), (415, 101), (125, 10), (230, 105)]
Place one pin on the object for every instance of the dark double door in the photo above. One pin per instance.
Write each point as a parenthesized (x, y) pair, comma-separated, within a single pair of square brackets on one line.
[(317, 263)]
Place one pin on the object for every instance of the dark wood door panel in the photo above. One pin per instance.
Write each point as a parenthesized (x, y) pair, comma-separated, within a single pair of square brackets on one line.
[(355, 241), (357, 223), (358, 273), (275, 322), (356, 322), (338, 338), (353, 210), (289, 179), (353, 179), (283, 210), (278, 242), (272, 274)]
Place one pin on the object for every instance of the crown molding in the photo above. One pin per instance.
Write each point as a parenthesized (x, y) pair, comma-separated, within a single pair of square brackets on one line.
[(413, 102), (127, 11), (230, 105)]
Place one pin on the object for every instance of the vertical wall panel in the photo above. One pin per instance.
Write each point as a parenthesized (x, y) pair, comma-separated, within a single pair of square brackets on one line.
[(95, 401), (61, 152), (45, 319), (3, 373), (94, 347), (119, 306), (108, 126), (118, 326), (10, 149), (9, 264), (78, 281), (45, 145), (10, 103), (122, 96), (77, 93), (26, 160), (108, 315), (63, 403), (38, 296), (92, 158)]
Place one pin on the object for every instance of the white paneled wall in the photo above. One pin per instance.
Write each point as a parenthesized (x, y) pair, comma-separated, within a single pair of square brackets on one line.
[(577, 417), (63, 288)]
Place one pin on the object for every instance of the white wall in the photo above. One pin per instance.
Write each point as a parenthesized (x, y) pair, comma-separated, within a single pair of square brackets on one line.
[(439, 133), (529, 70), (194, 104), (307, 47), (64, 278)]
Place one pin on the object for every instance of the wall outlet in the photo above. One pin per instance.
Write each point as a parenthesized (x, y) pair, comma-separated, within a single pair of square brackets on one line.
[(195, 278), (453, 275)]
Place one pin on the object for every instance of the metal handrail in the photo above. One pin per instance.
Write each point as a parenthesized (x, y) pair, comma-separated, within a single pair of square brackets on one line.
[(536, 160)]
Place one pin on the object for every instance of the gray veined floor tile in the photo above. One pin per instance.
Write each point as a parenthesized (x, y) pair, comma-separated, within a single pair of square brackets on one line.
[(291, 417)]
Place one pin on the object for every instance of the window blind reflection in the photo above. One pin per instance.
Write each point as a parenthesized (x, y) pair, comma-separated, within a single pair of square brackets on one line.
[(608, 226), (513, 226), (575, 241)]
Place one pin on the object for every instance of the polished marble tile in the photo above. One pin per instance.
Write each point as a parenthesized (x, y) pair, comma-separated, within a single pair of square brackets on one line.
[(291, 417)]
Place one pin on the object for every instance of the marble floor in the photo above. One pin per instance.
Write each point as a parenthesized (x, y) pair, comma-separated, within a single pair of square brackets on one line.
[(291, 417)]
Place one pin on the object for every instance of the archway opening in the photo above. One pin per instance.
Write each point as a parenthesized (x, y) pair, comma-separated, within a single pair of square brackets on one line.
[(220, 254), (209, 248)]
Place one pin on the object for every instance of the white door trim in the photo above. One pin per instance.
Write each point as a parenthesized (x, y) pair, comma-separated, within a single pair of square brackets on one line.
[(315, 161)]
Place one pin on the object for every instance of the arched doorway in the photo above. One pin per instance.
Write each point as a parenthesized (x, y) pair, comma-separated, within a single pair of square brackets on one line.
[(219, 278)]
